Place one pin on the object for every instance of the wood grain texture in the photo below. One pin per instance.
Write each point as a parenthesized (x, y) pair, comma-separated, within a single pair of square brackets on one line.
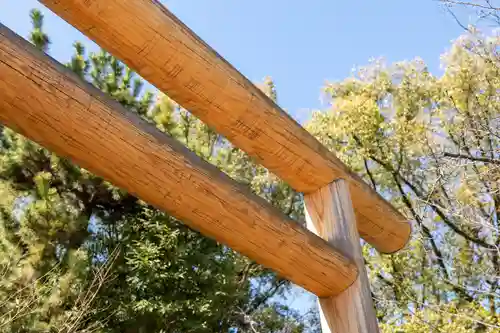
[(152, 41), (44, 101), (329, 214)]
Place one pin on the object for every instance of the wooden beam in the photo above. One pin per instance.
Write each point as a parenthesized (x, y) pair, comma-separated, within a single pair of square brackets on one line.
[(47, 103), (329, 214), (153, 42)]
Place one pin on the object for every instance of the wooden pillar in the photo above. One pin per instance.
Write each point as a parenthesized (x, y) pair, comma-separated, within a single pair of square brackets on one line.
[(329, 214)]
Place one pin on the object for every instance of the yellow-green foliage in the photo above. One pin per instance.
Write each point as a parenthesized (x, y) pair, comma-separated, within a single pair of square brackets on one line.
[(431, 145)]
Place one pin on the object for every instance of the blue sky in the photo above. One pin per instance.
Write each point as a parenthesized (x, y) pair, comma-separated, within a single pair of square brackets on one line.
[(299, 44)]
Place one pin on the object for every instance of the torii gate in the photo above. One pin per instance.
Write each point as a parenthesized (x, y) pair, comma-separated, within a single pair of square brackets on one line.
[(47, 103)]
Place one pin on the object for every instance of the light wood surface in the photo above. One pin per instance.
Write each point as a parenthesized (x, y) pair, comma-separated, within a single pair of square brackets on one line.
[(152, 41), (329, 214), (44, 101)]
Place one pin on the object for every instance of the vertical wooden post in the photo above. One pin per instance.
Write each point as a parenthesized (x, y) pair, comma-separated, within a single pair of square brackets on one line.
[(330, 215)]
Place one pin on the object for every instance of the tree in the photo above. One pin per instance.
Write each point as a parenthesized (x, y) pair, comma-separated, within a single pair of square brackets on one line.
[(431, 146), (79, 254)]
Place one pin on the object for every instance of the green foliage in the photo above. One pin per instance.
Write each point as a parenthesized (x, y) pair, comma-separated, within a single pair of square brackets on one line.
[(37, 36)]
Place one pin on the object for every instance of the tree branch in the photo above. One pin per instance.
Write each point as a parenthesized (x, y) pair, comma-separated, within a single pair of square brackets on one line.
[(266, 296), (369, 173), (473, 158), (469, 4), (434, 207), (439, 255)]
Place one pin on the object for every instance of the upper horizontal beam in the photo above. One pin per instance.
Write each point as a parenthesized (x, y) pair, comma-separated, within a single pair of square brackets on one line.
[(153, 42), (47, 103)]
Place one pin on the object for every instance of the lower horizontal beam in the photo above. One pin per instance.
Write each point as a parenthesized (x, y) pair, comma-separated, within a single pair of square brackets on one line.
[(44, 101)]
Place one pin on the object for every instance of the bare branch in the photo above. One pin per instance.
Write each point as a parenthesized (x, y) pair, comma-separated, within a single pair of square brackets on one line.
[(473, 158), (470, 4)]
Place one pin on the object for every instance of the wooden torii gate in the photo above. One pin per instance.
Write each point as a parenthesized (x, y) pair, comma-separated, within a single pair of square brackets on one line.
[(47, 103)]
